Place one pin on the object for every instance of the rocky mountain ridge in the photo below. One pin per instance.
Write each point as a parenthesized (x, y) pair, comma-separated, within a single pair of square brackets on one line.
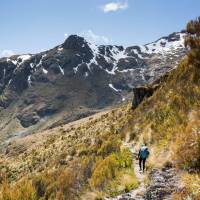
[(77, 78)]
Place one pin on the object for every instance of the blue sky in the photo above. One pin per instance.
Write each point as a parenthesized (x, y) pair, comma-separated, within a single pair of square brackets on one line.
[(29, 26)]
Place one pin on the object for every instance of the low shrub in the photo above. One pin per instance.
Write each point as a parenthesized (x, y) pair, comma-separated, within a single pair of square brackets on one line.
[(191, 188), (59, 184), (108, 168), (23, 190), (109, 146), (104, 172), (187, 147)]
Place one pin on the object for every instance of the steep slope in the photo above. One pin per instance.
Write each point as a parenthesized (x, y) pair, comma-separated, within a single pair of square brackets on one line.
[(76, 79), (71, 153), (90, 156), (168, 121)]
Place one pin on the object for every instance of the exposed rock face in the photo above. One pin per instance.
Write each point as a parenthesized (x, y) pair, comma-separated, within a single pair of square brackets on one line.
[(140, 93), (77, 76)]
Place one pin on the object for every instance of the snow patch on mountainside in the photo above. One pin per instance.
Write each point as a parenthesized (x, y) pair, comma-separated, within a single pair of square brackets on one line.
[(29, 80), (135, 51), (20, 60), (112, 87), (95, 51), (14, 62), (44, 71), (125, 70), (76, 68), (61, 70), (60, 48), (24, 57), (116, 56), (163, 46)]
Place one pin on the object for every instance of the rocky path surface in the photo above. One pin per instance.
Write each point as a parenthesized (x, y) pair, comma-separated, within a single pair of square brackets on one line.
[(164, 182)]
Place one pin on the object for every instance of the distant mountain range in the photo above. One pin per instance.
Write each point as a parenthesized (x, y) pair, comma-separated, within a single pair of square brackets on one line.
[(76, 79)]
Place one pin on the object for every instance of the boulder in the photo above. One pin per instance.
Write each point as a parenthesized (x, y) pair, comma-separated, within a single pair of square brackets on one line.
[(28, 119)]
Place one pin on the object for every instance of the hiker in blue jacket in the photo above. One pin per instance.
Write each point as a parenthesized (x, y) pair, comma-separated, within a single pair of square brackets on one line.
[(143, 155)]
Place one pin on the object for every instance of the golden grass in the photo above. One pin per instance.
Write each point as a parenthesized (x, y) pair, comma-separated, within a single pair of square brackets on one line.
[(109, 173), (23, 190), (166, 121), (191, 188)]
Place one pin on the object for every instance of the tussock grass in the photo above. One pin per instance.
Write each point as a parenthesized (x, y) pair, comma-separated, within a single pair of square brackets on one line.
[(89, 157), (61, 166), (114, 174)]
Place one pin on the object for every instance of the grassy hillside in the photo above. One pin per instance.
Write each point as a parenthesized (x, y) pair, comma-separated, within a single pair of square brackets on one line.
[(87, 158), (70, 161), (169, 123)]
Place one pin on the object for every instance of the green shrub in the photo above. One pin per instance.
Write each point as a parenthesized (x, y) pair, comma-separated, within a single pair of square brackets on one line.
[(104, 172), (124, 158), (108, 168)]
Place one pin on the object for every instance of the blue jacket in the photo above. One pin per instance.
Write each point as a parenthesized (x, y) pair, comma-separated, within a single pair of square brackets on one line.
[(143, 153)]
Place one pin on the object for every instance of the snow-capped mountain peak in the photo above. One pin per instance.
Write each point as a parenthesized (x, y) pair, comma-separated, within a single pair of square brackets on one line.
[(77, 70)]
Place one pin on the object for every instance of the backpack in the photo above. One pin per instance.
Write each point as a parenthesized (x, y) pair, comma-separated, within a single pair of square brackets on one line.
[(144, 152)]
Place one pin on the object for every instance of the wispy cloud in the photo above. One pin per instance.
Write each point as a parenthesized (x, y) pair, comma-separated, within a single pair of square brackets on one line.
[(90, 36), (114, 6), (66, 35), (6, 53)]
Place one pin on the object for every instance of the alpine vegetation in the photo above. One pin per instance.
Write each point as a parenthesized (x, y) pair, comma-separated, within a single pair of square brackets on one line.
[(102, 122)]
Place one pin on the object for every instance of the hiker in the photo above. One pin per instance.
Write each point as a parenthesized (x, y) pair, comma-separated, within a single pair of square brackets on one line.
[(142, 156)]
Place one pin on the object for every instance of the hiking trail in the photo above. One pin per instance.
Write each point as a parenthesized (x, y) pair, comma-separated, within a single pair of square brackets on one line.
[(138, 193), (163, 182)]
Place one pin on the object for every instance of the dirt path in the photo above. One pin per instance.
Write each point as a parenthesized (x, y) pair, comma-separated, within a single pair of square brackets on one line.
[(138, 193), (164, 182)]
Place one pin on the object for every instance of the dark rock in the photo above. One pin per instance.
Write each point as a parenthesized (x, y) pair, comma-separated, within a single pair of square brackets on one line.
[(140, 93), (28, 119), (77, 43), (46, 110)]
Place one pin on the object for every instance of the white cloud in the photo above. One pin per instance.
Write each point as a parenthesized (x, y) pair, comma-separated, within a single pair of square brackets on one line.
[(66, 35), (90, 36), (114, 6), (7, 53)]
